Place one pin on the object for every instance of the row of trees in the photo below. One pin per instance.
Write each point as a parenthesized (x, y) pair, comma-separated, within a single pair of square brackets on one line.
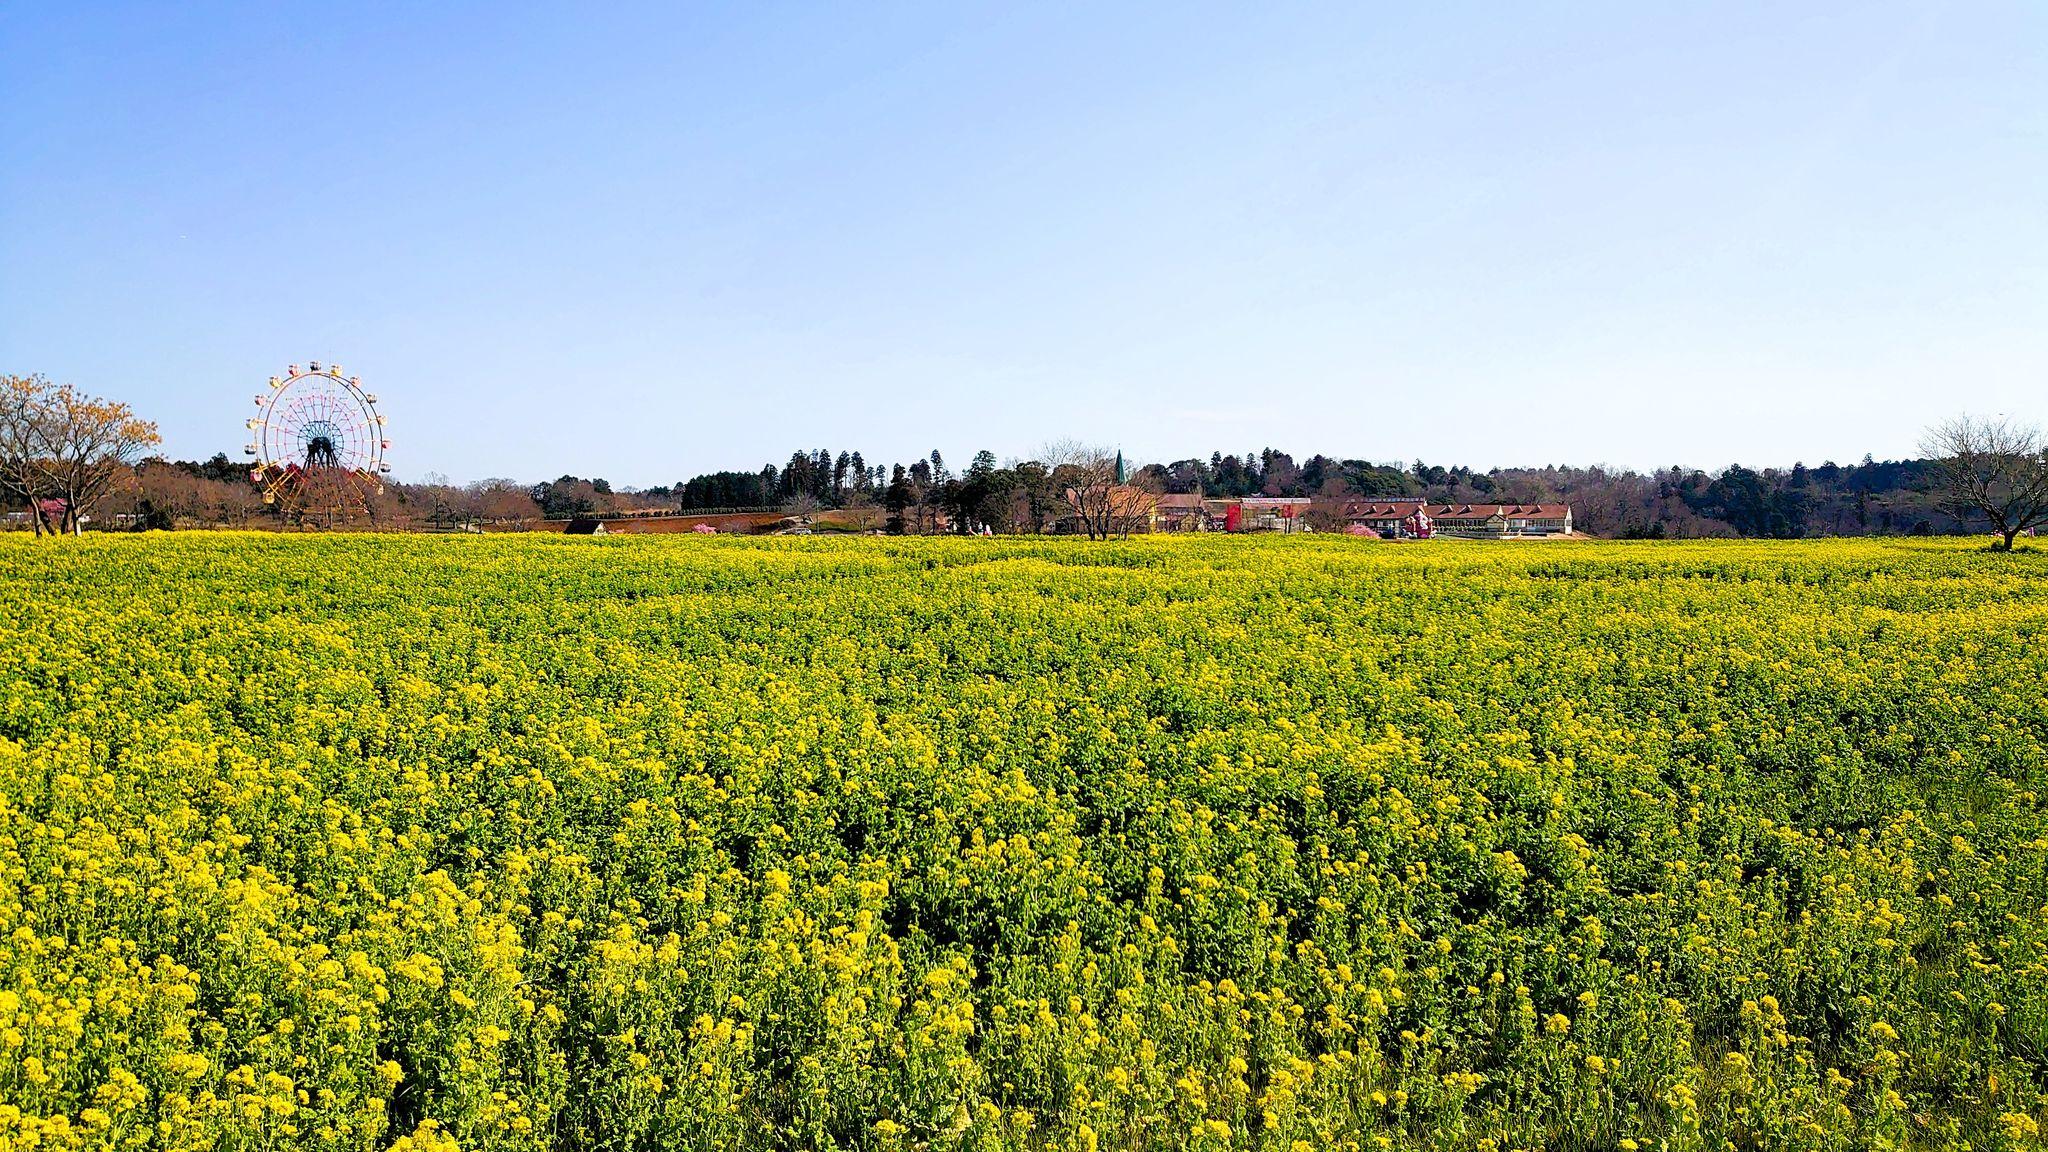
[(63, 453), (1972, 471), (1978, 475), (1269, 472), (1871, 497), (924, 496), (1069, 481), (1066, 480), (164, 494)]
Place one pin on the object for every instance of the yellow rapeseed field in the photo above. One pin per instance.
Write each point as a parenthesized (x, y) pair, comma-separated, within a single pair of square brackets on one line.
[(1302, 844)]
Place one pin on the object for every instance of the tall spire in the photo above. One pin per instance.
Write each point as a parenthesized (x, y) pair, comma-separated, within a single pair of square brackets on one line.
[(1120, 477)]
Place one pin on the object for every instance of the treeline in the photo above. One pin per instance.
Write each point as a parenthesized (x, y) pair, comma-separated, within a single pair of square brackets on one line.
[(1892, 497), (923, 496), (68, 459), (836, 480), (167, 494), (1871, 497)]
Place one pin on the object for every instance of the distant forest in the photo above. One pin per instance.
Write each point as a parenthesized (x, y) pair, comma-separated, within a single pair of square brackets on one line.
[(1866, 498), (1870, 497)]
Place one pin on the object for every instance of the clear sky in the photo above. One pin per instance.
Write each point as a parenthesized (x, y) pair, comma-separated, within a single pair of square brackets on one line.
[(646, 241)]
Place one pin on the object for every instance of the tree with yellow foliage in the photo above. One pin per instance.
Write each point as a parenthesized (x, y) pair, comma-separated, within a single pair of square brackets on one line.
[(60, 447)]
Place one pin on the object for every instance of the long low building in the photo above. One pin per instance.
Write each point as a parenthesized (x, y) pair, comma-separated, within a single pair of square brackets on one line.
[(1195, 513), (1393, 519), (1137, 511), (1424, 519)]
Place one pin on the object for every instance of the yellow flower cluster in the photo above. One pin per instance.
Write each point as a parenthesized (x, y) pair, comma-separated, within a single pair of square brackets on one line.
[(517, 843)]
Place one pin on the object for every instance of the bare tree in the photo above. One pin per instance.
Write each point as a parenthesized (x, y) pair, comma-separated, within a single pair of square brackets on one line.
[(235, 505), (799, 510), (170, 495), (440, 503), (1096, 495), (1990, 467), (1086, 474), (500, 501), (24, 448), (1136, 499), (166, 494), (859, 509)]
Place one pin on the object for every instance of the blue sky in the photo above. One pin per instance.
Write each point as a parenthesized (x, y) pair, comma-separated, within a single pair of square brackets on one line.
[(649, 241)]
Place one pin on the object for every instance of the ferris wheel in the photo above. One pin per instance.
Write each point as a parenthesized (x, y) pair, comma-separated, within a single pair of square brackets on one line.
[(318, 444)]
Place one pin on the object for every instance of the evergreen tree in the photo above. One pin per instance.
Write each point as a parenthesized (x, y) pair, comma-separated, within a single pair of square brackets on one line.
[(897, 499)]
